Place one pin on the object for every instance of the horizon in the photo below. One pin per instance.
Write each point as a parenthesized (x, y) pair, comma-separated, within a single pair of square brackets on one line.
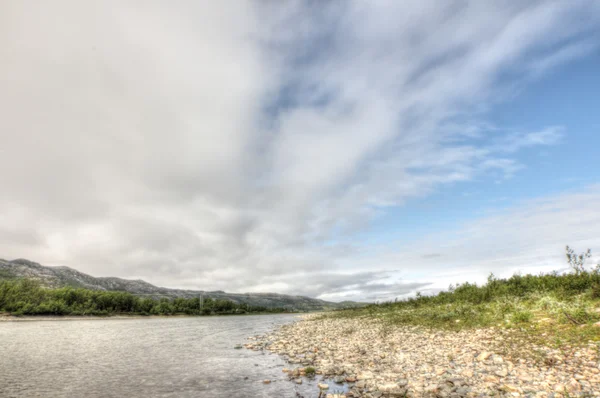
[(563, 270), (340, 151)]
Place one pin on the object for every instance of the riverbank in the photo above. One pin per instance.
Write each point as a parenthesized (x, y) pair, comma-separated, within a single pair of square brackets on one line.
[(367, 358), (28, 318)]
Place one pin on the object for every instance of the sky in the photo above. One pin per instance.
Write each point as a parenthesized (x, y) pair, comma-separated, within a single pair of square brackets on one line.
[(345, 150)]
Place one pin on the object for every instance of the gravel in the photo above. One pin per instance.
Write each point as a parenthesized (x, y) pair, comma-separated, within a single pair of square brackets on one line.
[(370, 359)]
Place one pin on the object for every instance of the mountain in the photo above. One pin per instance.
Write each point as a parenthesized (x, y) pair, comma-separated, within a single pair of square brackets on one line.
[(54, 277)]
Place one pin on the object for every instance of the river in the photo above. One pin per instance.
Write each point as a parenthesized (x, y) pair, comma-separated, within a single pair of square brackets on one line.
[(153, 357)]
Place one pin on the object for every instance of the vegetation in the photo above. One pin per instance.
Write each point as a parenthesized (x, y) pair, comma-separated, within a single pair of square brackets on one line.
[(556, 306), (309, 371), (28, 297)]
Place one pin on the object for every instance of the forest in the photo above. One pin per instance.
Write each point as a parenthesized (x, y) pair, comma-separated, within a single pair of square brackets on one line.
[(29, 297)]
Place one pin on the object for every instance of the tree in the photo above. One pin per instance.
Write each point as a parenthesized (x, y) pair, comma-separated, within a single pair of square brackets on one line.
[(577, 261)]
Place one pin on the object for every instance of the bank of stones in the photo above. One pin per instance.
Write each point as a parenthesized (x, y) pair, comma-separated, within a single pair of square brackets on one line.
[(371, 360)]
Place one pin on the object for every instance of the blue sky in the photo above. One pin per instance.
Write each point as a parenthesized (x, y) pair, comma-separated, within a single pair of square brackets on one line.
[(567, 98), (347, 150)]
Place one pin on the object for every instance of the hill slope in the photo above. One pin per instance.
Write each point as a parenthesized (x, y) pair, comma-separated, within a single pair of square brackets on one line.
[(65, 276)]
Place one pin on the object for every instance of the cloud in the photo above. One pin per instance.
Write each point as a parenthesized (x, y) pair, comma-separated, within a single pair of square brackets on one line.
[(514, 142), (234, 145), (529, 237)]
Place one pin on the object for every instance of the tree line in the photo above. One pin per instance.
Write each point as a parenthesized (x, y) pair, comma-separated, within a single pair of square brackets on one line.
[(28, 297)]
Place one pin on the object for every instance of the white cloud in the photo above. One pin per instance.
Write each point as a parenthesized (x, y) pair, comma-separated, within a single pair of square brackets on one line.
[(517, 141), (224, 146), (529, 237)]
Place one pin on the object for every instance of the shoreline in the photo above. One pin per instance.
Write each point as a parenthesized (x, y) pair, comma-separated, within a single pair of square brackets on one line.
[(364, 358), (32, 318)]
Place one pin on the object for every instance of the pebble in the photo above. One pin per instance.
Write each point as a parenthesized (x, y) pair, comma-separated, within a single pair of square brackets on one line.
[(410, 361)]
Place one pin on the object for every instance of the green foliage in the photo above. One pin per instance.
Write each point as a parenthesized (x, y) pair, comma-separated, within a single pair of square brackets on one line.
[(28, 297), (309, 371), (568, 300), (522, 316)]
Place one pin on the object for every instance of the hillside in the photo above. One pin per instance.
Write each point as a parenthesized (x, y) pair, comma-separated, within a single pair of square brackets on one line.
[(54, 277)]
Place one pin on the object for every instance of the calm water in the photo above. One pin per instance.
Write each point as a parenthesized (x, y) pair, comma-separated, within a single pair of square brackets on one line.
[(166, 357)]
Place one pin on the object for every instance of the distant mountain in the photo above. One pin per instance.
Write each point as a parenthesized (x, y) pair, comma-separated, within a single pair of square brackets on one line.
[(54, 277)]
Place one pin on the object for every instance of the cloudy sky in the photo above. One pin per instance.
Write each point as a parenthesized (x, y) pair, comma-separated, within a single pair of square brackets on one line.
[(342, 150)]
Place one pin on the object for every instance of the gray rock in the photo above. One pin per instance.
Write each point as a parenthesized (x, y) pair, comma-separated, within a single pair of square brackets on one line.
[(339, 379)]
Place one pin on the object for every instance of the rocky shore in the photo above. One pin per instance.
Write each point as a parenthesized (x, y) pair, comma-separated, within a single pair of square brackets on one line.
[(368, 359)]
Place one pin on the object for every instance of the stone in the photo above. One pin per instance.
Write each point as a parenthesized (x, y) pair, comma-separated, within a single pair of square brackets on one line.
[(510, 388), (365, 376), (558, 387), (402, 382), (438, 363), (573, 386), (501, 372), (525, 378), (266, 381), (491, 379), (323, 386), (387, 387)]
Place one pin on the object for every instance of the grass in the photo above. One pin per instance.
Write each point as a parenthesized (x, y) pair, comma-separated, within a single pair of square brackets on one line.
[(556, 308), (309, 371)]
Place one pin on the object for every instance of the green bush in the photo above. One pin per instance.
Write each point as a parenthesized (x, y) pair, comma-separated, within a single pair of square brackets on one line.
[(522, 316), (28, 297), (566, 298)]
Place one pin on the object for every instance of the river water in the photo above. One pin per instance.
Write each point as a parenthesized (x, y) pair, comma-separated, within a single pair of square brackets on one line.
[(153, 357)]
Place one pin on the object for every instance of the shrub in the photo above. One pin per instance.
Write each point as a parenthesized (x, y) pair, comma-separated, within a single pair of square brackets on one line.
[(28, 297), (522, 316)]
